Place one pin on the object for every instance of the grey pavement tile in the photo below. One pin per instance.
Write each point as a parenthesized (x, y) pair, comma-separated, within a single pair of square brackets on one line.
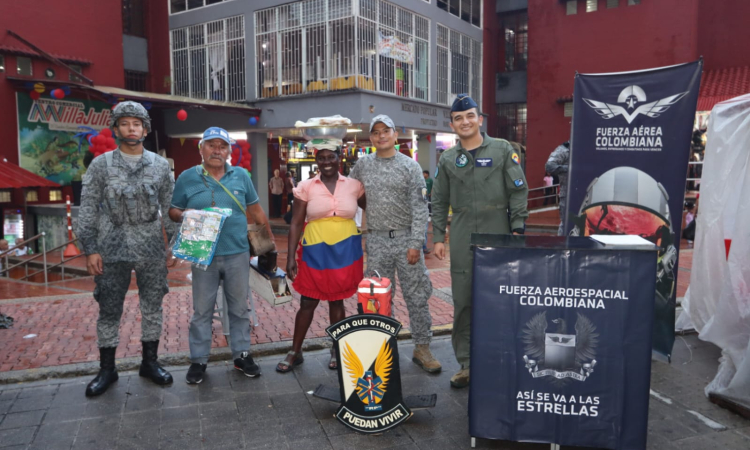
[(298, 429), (32, 403), (670, 429), (422, 427), (5, 406), (97, 442), (442, 443), (65, 413), (222, 439), (174, 398), (189, 443), (150, 419), (138, 438), (9, 394), (745, 431), (391, 438), (38, 391), (171, 415), (60, 444), (318, 443), (142, 387), (654, 442), (103, 409), (291, 405), (100, 427), (219, 410), (70, 394), (22, 419), (53, 431), (258, 410), (179, 434), (143, 403), (332, 427), (216, 425), (223, 394), (16, 436), (259, 436)]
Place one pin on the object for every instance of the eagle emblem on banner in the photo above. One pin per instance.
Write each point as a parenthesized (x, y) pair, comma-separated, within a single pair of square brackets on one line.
[(630, 96), (370, 385), (560, 354)]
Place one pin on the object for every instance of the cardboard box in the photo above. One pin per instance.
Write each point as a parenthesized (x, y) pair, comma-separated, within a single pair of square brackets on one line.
[(264, 284)]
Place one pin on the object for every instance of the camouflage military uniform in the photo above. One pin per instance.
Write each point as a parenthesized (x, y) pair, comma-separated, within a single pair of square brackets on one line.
[(482, 190), (557, 164), (119, 219), (397, 203)]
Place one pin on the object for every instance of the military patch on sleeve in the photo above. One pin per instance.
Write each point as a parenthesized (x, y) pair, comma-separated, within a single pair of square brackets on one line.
[(518, 182), (424, 194), (516, 159), (437, 169)]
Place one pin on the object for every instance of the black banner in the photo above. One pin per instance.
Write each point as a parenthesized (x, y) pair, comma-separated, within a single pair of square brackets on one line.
[(561, 343), (369, 373), (630, 147)]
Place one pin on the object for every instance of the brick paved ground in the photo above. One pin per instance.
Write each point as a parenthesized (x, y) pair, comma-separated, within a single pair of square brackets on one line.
[(63, 316)]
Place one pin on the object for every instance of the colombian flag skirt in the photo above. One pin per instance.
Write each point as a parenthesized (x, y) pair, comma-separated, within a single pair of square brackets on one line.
[(329, 261)]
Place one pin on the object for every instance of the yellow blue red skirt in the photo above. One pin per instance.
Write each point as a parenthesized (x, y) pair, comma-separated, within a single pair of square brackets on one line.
[(329, 261)]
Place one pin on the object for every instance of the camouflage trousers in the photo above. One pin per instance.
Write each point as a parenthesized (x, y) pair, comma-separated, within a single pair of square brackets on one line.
[(388, 256), (111, 287), (561, 228)]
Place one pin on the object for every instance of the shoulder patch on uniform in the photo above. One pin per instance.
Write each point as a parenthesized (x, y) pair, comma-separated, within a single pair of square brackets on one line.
[(516, 159), (518, 182), (437, 169)]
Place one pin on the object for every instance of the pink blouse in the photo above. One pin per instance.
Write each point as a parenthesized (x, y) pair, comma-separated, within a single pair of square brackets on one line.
[(321, 203)]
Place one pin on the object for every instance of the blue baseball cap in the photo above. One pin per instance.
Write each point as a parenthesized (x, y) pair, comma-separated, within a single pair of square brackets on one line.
[(217, 133)]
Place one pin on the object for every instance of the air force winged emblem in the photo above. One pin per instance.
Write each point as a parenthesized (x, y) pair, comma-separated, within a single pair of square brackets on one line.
[(370, 387), (630, 96), (559, 354)]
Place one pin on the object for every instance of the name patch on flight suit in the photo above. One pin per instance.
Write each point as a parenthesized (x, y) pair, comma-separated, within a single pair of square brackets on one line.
[(483, 162)]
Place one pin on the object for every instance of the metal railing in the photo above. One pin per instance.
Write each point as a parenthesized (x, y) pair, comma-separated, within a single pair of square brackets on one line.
[(6, 267), (554, 195)]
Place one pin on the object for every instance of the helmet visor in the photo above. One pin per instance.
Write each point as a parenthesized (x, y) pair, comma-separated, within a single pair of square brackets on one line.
[(621, 219)]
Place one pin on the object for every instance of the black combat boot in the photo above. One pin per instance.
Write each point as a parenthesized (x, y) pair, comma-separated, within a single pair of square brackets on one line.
[(150, 368), (107, 373)]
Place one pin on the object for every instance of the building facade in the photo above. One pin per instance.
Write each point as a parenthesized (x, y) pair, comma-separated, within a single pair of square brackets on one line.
[(316, 58), (541, 44)]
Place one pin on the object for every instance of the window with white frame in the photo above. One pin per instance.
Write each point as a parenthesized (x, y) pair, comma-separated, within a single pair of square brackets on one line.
[(208, 60), (5, 197), (459, 65), (178, 6), (468, 10), (325, 45), (592, 5), (32, 196)]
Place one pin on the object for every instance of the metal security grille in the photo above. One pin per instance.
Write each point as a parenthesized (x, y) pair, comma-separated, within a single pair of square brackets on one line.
[(208, 60), (327, 45), (136, 81), (516, 41), (512, 121), (459, 65)]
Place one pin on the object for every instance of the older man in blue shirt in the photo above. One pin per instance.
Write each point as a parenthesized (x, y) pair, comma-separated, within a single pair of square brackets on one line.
[(215, 183)]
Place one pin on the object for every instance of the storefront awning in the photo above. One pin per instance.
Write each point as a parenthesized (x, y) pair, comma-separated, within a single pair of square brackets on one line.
[(110, 94), (13, 177), (723, 84)]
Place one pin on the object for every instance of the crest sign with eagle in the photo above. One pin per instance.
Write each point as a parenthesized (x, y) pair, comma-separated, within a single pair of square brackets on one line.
[(560, 354)]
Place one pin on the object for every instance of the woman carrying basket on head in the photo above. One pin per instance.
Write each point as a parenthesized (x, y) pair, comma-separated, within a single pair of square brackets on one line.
[(329, 263)]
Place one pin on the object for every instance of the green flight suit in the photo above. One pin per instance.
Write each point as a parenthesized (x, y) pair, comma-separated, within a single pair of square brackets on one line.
[(481, 190)]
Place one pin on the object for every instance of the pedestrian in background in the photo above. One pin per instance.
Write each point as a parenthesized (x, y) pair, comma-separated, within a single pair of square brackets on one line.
[(276, 185), (557, 164)]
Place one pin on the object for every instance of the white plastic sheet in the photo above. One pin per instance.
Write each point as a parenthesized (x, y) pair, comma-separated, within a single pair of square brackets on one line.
[(718, 300)]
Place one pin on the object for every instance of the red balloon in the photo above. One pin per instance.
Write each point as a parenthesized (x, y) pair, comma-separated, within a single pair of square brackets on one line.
[(34, 95), (58, 94), (111, 143), (106, 132), (182, 114)]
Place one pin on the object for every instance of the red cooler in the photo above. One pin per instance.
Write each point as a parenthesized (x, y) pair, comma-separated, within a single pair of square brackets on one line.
[(374, 296)]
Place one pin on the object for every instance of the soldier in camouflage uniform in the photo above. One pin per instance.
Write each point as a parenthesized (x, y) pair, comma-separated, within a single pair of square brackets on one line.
[(482, 180), (557, 164), (396, 219), (124, 202)]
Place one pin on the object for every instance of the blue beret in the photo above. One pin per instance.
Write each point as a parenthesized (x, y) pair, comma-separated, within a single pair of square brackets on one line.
[(463, 103)]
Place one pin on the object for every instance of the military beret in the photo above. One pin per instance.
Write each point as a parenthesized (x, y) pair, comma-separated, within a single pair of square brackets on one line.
[(463, 103)]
